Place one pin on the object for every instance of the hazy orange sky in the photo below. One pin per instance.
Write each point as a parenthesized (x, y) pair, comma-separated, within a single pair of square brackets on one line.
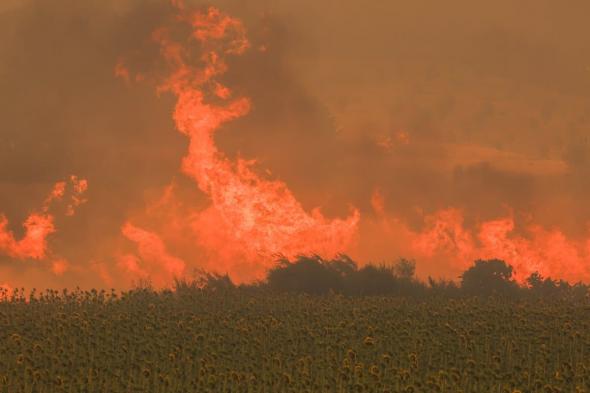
[(415, 113)]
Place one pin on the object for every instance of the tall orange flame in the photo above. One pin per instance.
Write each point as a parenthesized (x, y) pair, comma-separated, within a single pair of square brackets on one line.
[(250, 218)]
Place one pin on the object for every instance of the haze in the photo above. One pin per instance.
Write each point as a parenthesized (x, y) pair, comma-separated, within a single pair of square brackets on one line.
[(457, 129)]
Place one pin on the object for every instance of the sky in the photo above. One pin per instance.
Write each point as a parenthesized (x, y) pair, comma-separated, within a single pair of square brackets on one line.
[(436, 131)]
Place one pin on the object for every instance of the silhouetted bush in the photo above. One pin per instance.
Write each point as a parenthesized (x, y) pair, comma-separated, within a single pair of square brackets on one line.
[(489, 277), (202, 281), (371, 280), (398, 279), (405, 269), (314, 275), (540, 286), (308, 274), (446, 288), (317, 276)]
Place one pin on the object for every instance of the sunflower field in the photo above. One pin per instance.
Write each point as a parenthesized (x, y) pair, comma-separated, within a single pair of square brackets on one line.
[(258, 341)]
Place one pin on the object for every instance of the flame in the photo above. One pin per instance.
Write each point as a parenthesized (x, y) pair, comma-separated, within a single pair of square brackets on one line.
[(101, 269), (378, 202), (58, 192), (33, 244), (39, 226), (250, 218), (80, 186), (547, 251), (153, 254)]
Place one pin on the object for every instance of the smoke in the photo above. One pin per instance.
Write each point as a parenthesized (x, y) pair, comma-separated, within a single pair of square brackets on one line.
[(427, 118)]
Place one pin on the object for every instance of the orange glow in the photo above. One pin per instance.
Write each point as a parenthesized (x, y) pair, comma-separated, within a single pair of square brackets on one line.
[(378, 202), (122, 72), (59, 266), (101, 269), (403, 137)]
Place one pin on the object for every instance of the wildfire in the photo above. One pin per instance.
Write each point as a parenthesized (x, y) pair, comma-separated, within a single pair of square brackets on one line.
[(247, 218), (250, 218)]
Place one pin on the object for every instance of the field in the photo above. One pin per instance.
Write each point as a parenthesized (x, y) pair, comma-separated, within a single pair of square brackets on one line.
[(256, 341)]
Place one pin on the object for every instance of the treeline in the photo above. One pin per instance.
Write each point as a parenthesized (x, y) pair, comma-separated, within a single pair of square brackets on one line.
[(316, 276)]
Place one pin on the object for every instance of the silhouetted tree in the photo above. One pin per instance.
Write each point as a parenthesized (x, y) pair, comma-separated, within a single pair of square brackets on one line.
[(539, 286), (307, 274), (535, 281), (314, 275), (405, 269), (487, 277), (343, 265)]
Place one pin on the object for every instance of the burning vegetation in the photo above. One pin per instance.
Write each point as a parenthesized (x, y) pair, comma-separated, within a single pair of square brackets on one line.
[(223, 213)]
